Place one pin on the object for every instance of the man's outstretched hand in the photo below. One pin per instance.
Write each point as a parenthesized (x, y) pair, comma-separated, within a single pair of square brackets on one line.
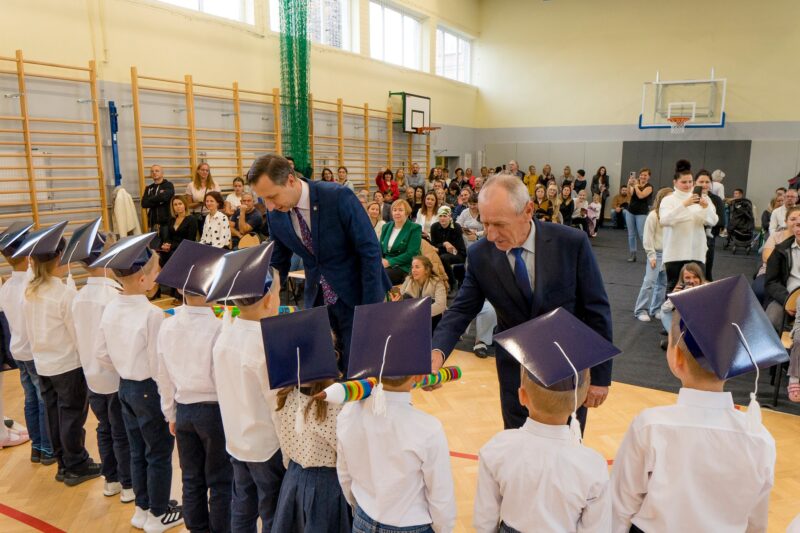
[(596, 396), (437, 361)]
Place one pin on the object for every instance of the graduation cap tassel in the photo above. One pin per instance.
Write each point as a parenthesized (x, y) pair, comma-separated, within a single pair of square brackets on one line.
[(70, 280), (299, 416), (753, 408), (378, 395), (183, 293), (227, 315), (29, 272), (574, 424)]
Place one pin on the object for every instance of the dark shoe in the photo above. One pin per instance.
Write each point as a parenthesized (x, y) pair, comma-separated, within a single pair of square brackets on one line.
[(36, 456), (8, 422), (60, 475), (480, 350), (663, 344), (47, 459), (663, 333), (90, 471), (632, 258)]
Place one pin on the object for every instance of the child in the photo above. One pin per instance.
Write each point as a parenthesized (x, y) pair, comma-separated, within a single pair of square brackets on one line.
[(12, 294), (393, 460), (581, 212), (593, 213), (245, 399), (85, 246), (701, 465), (311, 498), (48, 321), (539, 477), (129, 331), (189, 395)]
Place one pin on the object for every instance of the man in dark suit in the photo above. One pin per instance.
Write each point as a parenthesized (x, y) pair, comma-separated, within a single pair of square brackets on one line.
[(325, 225), (525, 268), (157, 198)]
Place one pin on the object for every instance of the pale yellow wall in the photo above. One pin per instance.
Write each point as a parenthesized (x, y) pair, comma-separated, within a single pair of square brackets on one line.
[(168, 42), (583, 62)]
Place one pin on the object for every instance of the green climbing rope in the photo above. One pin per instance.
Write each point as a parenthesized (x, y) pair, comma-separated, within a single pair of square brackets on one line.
[(294, 83)]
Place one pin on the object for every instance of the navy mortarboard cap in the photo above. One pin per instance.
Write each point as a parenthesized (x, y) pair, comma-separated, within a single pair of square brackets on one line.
[(299, 348), (128, 256), (726, 329), (13, 236), (86, 244), (192, 267), (391, 339), (242, 274), (554, 347), (42, 243)]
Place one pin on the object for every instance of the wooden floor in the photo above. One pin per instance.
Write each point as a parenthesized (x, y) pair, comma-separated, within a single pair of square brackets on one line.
[(469, 410)]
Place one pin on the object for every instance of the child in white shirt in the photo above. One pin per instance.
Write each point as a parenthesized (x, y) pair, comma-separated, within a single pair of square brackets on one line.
[(593, 214)]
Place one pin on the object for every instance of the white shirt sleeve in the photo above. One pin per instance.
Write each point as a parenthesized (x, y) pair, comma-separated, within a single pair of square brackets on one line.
[(710, 216), (596, 516), (345, 479), (628, 481), (773, 221), (439, 484), (154, 321), (166, 387), (486, 517), (101, 348), (66, 312), (757, 521), (672, 211), (649, 237)]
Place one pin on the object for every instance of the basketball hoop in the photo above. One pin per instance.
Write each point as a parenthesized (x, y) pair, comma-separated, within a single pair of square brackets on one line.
[(426, 130), (678, 124)]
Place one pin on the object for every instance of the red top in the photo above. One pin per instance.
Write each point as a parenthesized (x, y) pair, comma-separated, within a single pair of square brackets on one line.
[(383, 186)]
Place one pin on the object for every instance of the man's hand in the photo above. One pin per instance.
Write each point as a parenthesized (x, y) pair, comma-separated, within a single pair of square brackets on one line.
[(437, 361), (172, 428), (385, 263), (596, 396)]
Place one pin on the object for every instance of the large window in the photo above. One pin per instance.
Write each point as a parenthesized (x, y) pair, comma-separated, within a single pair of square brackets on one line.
[(394, 37), (328, 22), (238, 10), (453, 56)]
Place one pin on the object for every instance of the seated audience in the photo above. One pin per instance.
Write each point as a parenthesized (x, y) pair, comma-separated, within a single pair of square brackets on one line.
[(782, 278), (386, 209), (566, 206), (580, 215), (448, 238), (469, 177), (778, 216), (530, 180), (417, 201), (327, 175), (374, 212), (424, 282), (451, 197), (234, 199), (619, 204), (387, 185), (774, 239), (247, 219), (462, 202), (216, 229), (408, 196), (594, 214), (344, 180), (555, 201), (691, 275), (181, 226), (547, 175), (400, 242), (441, 197), (427, 213), (478, 184), (567, 177), (580, 182), (470, 221), (201, 183), (363, 197), (542, 208), (400, 179)]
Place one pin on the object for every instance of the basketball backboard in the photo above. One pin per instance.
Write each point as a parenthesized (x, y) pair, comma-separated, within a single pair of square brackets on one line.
[(414, 110), (701, 102)]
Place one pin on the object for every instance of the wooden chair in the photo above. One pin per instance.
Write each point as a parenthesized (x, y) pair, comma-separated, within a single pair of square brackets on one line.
[(249, 240)]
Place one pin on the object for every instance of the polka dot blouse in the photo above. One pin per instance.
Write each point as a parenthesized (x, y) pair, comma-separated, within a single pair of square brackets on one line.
[(216, 230), (316, 445)]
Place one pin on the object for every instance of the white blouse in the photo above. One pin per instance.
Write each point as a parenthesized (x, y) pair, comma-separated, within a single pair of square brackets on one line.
[(233, 200), (199, 195), (426, 223), (216, 230), (316, 445), (467, 221)]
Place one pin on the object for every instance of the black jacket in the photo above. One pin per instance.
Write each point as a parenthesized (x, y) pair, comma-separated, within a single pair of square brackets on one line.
[(187, 230), (454, 235), (156, 200), (779, 265), (719, 205)]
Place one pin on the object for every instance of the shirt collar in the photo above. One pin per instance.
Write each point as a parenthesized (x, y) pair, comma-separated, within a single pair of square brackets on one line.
[(135, 298), (103, 281), (198, 310), (18, 274), (701, 398), (795, 246), (243, 323), (548, 431), (305, 197), (398, 397), (529, 244)]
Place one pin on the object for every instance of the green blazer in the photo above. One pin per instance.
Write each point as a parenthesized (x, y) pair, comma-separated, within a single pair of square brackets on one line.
[(405, 247)]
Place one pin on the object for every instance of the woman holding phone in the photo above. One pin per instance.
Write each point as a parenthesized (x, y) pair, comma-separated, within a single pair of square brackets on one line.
[(641, 193), (684, 215)]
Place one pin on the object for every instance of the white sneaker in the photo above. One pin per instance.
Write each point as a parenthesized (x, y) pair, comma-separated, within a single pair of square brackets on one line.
[(657, 316), (158, 524), (127, 496), (139, 518), (112, 489), (643, 317)]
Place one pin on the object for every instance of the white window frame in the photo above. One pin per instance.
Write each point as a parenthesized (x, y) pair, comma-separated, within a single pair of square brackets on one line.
[(379, 46), (348, 43), (247, 8), (461, 76)]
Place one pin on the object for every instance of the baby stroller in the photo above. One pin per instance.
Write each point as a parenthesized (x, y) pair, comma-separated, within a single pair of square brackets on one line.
[(741, 226)]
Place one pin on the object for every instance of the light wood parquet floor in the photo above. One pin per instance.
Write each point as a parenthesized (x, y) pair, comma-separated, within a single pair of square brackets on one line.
[(469, 410)]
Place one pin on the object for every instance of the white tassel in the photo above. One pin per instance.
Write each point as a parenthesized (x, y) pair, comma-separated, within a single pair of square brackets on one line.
[(29, 272), (227, 314), (753, 408), (378, 394), (575, 428), (71, 282), (574, 424), (180, 313)]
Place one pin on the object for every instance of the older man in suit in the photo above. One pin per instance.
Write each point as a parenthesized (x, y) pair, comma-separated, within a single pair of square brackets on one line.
[(325, 225), (525, 268)]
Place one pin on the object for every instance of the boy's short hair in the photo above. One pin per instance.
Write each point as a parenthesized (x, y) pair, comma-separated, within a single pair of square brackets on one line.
[(247, 302), (676, 340), (556, 403)]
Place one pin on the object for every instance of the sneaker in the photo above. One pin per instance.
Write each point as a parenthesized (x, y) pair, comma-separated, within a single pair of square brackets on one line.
[(139, 518), (663, 344), (60, 475), (112, 489), (481, 350), (13, 439), (157, 524), (632, 257), (657, 316), (36, 456), (127, 495), (643, 317), (9, 423), (90, 471), (47, 459)]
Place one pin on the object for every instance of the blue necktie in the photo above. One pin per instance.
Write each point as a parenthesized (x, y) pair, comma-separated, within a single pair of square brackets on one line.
[(521, 275)]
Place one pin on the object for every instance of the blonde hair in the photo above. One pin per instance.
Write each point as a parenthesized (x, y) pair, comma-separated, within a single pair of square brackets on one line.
[(320, 406), (42, 273), (182, 199), (196, 178), (660, 195), (404, 204), (676, 341), (555, 403)]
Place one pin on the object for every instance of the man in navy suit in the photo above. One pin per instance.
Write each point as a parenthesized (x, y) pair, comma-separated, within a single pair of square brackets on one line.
[(325, 225), (525, 268)]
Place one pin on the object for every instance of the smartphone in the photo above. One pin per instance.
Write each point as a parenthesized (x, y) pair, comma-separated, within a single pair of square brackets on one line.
[(632, 176), (698, 190)]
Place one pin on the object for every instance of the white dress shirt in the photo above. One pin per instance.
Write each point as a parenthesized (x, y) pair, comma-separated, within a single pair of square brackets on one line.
[(48, 321), (316, 445), (693, 466), (87, 308), (793, 281), (12, 295), (304, 205), (245, 399), (684, 234), (536, 478), (528, 255), (777, 220), (425, 222), (184, 347), (396, 467)]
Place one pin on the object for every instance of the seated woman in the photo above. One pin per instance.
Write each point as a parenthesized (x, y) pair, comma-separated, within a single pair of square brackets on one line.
[(555, 201), (181, 226), (426, 214), (566, 206), (344, 180), (453, 191), (542, 208), (580, 216), (234, 199), (386, 184), (374, 212), (400, 242), (216, 228), (417, 201), (424, 282), (327, 175), (470, 221), (448, 238)]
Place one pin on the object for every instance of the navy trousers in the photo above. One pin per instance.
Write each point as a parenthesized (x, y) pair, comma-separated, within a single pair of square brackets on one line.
[(340, 316), (66, 408), (206, 470), (151, 444), (112, 439), (256, 487)]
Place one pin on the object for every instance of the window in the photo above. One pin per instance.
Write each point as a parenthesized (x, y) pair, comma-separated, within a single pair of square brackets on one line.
[(453, 56), (328, 22), (394, 37), (238, 10)]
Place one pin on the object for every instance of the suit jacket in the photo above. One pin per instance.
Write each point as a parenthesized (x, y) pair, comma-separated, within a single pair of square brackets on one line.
[(345, 250), (156, 199), (779, 266), (566, 275), (405, 246)]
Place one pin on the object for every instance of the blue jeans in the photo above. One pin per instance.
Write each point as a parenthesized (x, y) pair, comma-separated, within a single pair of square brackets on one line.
[(654, 289), (362, 523), (151, 444), (485, 323), (635, 225), (256, 487), (112, 438), (34, 407)]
